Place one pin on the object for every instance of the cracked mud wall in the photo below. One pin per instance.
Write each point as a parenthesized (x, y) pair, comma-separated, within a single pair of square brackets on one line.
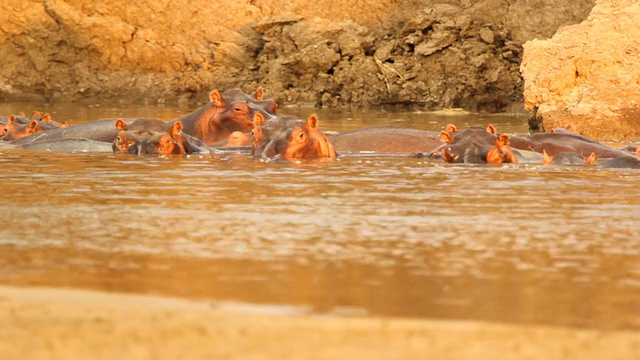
[(427, 54)]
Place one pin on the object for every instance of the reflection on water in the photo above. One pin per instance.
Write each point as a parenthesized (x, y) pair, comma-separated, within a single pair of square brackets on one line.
[(377, 235)]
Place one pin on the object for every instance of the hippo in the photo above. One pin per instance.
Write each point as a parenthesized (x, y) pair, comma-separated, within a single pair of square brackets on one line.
[(69, 145), (626, 162), (22, 119), (568, 158), (97, 130), (153, 136), (557, 142), (225, 113), (501, 152), (14, 130), (478, 145), (230, 118), (289, 137), (630, 161), (385, 140), (466, 146), (238, 139), (267, 105)]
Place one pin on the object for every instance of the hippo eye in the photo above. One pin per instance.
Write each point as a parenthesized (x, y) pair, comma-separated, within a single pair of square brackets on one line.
[(118, 139)]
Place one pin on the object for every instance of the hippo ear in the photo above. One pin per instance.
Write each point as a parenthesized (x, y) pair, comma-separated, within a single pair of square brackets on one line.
[(591, 160), (63, 125), (32, 128), (258, 119), (504, 139), (176, 129), (10, 120), (546, 159), (446, 137), (491, 129), (258, 94), (121, 125), (21, 113), (312, 122), (46, 117), (451, 128), (572, 128), (36, 114), (216, 99)]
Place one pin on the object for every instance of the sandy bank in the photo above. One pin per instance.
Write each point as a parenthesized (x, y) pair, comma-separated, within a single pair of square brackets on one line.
[(41, 323)]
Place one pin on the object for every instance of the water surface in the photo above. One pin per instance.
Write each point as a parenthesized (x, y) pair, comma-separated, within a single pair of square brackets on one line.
[(375, 235)]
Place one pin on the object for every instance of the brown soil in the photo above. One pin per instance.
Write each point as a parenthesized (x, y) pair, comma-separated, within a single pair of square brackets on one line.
[(41, 323), (431, 54)]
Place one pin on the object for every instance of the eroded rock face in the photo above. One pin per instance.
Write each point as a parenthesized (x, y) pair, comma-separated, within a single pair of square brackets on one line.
[(431, 54), (588, 74)]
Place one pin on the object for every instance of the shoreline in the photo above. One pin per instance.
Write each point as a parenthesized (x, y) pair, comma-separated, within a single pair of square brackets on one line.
[(51, 323)]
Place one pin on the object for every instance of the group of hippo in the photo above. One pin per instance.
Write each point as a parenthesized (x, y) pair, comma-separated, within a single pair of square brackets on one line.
[(247, 121)]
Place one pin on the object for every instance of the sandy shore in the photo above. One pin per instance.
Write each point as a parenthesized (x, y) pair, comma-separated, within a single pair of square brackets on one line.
[(43, 323)]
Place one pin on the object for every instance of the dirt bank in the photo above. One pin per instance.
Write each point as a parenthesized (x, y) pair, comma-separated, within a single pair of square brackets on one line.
[(434, 54), (41, 323)]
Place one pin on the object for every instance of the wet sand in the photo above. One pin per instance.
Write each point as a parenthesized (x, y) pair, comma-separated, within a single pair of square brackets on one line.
[(50, 323)]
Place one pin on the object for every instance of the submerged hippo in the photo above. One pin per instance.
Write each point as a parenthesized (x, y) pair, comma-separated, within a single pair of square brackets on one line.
[(97, 130), (470, 145), (558, 142), (153, 136), (568, 158), (70, 145), (631, 161), (289, 137), (385, 140), (19, 127)]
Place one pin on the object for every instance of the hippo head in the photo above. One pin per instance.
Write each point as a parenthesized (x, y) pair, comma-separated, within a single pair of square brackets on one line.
[(150, 136), (292, 138), (229, 116), (466, 146), (14, 130), (501, 152), (158, 143), (255, 101)]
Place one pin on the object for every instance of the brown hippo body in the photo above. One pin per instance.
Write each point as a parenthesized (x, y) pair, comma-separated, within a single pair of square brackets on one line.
[(558, 142), (626, 162), (385, 140), (70, 145)]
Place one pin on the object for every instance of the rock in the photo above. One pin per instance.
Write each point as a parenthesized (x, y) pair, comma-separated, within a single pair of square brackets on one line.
[(588, 74)]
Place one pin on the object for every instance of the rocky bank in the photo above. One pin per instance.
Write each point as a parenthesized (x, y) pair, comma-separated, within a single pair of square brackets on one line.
[(588, 74), (428, 54)]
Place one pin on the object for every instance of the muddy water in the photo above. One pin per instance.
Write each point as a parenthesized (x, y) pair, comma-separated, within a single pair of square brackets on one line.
[(390, 236)]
